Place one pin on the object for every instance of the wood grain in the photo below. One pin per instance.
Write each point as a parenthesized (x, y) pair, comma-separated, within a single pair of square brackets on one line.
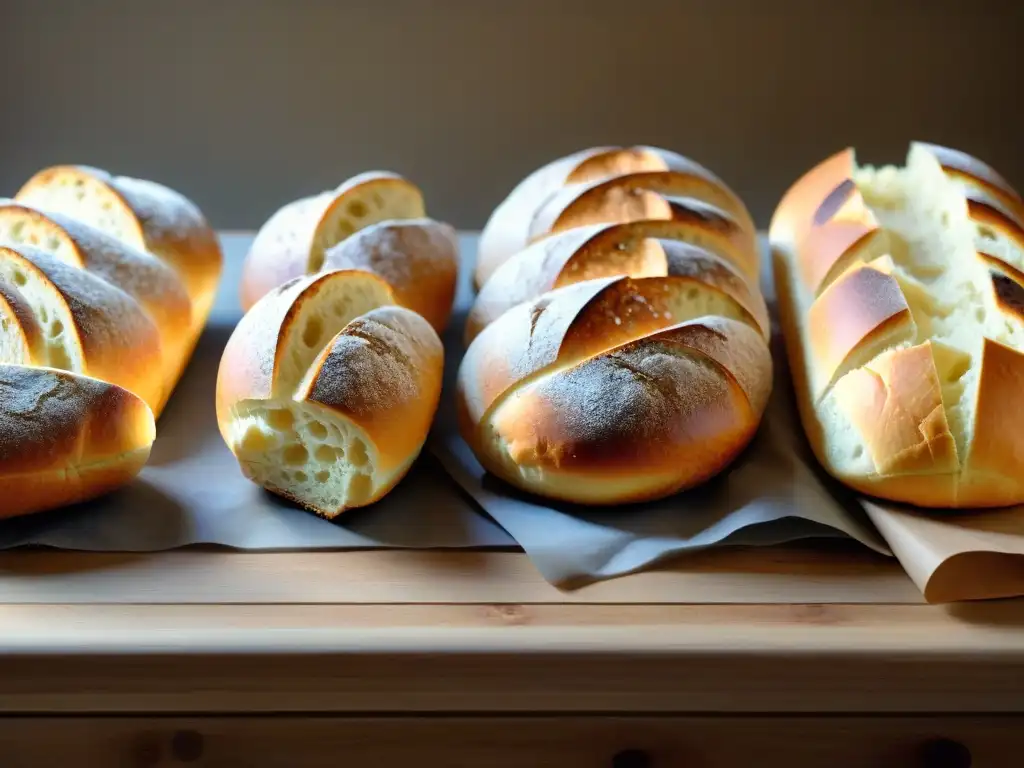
[(793, 574), (321, 742), (542, 658)]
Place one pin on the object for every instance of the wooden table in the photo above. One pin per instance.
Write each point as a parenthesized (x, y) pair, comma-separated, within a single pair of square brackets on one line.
[(814, 655)]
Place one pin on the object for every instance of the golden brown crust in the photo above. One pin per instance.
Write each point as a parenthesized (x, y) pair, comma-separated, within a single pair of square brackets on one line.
[(65, 438), (293, 242), (998, 444), (636, 249), (515, 222), (383, 371), (419, 259), (161, 221), (794, 215), (847, 322), (896, 403), (251, 362), (111, 338), (677, 402)]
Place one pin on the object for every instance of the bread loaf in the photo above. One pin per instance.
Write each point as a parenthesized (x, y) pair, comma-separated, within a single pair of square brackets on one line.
[(901, 295), (375, 221), (603, 185), (95, 328), (326, 390), (594, 393), (618, 345)]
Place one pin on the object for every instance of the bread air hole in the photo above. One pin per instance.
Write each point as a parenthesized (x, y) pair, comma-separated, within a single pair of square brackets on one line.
[(325, 454), (17, 231), (986, 232), (317, 430), (312, 333), (322, 477), (357, 454), (56, 329), (280, 420), (19, 277), (295, 454), (357, 209)]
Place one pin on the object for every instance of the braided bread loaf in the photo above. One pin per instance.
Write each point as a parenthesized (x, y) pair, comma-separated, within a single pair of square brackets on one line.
[(901, 294), (326, 391), (620, 354), (374, 221), (94, 330)]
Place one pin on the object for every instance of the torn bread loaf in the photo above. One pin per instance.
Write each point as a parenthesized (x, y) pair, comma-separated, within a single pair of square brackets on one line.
[(614, 389), (326, 390), (605, 185), (105, 283), (901, 295), (375, 221)]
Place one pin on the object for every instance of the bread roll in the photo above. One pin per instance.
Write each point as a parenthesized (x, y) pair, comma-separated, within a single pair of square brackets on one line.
[(325, 393), (148, 216), (901, 297), (65, 438), (374, 221), (596, 393), (699, 252), (603, 185)]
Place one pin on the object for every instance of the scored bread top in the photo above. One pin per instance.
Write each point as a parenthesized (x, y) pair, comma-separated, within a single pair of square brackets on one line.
[(294, 240), (601, 184), (146, 215), (677, 400), (274, 344), (419, 259), (693, 250), (902, 302)]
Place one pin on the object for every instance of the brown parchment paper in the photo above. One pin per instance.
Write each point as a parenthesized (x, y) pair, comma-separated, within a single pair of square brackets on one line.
[(971, 555)]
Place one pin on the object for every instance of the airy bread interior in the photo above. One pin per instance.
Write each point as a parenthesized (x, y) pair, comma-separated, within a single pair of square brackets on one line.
[(84, 198), (363, 205), (948, 287), (50, 311), (308, 453)]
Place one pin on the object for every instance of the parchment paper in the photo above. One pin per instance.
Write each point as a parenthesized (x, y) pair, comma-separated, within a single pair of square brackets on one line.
[(192, 491), (972, 555), (773, 494)]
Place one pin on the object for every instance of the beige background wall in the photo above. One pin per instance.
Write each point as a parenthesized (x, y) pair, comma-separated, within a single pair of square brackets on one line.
[(244, 104)]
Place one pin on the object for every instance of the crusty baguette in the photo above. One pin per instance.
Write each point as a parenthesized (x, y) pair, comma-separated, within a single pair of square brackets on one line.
[(326, 392), (374, 221), (105, 285), (146, 215), (594, 393), (699, 252), (901, 297), (66, 438), (603, 185)]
